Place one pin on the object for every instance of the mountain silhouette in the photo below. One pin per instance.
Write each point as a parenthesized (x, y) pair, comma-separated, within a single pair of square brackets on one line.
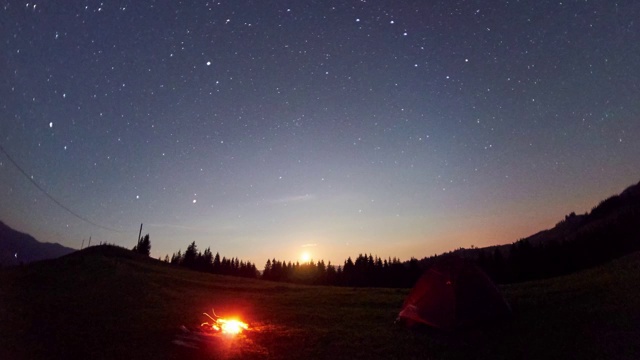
[(610, 230), (19, 248)]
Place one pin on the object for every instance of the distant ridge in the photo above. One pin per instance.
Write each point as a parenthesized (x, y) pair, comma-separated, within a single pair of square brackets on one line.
[(610, 230), (608, 210), (19, 248), (613, 207)]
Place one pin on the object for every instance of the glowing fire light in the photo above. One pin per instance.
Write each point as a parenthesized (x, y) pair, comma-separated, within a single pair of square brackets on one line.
[(230, 326), (226, 326)]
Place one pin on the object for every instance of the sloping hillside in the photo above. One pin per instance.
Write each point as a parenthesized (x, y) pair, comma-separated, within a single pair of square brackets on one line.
[(616, 206), (577, 242), (106, 303)]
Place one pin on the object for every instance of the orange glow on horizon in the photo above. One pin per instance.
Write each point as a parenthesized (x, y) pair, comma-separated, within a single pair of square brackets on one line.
[(305, 257)]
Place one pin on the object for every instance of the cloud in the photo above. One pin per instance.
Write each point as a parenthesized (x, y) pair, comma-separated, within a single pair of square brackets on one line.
[(294, 199), (181, 227)]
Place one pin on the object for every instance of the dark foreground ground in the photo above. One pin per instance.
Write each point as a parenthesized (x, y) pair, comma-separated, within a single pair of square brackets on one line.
[(106, 303)]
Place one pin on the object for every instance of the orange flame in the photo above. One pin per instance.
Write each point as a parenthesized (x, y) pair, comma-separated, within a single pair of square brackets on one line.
[(231, 326), (226, 326)]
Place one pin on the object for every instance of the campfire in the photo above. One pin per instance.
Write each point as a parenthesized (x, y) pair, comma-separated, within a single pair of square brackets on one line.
[(225, 326)]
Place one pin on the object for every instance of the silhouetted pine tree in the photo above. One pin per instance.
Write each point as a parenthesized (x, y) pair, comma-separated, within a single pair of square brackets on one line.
[(144, 246), (205, 261), (176, 258), (190, 256), (266, 273), (216, 264)]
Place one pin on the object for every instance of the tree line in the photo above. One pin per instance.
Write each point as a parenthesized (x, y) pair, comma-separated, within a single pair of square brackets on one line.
[(207, 262), (365, 271)]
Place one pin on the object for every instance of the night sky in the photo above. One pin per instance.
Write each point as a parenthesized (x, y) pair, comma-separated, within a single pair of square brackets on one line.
[(269, 128)]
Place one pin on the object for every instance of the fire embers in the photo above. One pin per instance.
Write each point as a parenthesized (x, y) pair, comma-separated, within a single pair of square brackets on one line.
[(225, 326)]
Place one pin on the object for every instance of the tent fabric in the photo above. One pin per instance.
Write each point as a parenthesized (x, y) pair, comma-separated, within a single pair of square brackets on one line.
[(452, 294)]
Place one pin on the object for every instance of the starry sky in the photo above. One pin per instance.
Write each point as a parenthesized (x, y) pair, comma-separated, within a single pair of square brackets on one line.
[(266, 129)]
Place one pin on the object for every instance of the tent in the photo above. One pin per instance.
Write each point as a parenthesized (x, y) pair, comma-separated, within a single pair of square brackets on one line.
[(453, 294)]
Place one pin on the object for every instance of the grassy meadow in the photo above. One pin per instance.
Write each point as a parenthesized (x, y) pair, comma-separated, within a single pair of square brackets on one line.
[(108, 303)]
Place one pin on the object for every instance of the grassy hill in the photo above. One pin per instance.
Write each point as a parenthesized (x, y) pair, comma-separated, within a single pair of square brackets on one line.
[(106, 303)]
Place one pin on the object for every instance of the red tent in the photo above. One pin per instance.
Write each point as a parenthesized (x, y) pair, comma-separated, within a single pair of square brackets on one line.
[(452, 294)]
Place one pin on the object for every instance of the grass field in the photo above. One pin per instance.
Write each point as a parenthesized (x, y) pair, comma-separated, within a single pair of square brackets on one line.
[(106, 303)]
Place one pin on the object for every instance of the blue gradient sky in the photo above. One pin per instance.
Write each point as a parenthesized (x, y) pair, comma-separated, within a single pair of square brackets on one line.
[(265, 129)]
